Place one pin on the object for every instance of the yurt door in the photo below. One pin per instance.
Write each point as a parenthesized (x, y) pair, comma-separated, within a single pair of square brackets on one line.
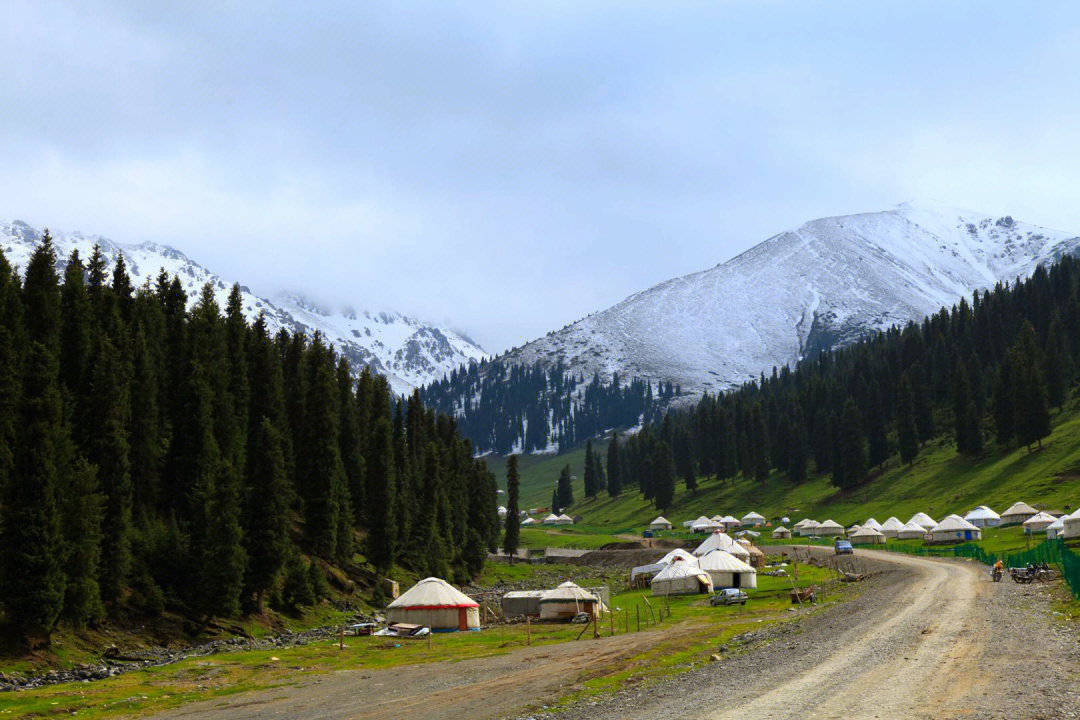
[(967, 534), (462, 619), (736, 580)]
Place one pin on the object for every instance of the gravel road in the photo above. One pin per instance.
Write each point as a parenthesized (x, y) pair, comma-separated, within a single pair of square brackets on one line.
[(924, 639)]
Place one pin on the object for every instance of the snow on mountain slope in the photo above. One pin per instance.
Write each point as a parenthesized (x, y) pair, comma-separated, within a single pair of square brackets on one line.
[(819, 285), (409, 352)]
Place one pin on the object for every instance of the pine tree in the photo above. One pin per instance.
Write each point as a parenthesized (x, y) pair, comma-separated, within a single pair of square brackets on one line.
[(266, 534), (41, 298), (591, 482), (664, 474), (1055, 368), (760, 447), (323, 472), (565, 489), (513, 512), (1004, 412), (875, 430), (614, 467), (966, 430), (851, 465), (907, 435), (797, 445), (82, 515), (33, 587), (223, 576), (382, 532)]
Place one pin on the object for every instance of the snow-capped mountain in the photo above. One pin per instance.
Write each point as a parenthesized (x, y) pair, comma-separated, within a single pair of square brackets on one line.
[(409, 352), (819, 285)]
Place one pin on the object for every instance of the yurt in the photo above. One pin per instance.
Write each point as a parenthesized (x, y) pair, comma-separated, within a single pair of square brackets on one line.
[(1071, 526), (436, 604), (676, 555), (872, 523), (530, 521), (757, 557), (830, 527), (785, 520), (1039, 522), (983, 516), (809, 527), (781, 533), (502, 511), (923, 520), (682, 578), (564, 519), (718, 519), (728, 571), (551, 519), (751, 519), (660, 523), (911, 531), (891, 527), (567, 601), (722, 541), (730, 522), (954, 529), (704, 524), (1018, 513), (1056, 528), (854, 529), (867, 536)]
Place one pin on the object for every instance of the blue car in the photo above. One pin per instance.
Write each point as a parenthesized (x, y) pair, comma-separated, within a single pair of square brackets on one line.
[(843, 547)]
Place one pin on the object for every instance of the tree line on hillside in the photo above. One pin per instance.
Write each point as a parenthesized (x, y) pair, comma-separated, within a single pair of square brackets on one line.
[(988, 371), (506, 407), (154, 458)]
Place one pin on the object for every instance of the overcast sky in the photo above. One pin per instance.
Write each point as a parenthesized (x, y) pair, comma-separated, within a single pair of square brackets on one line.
[(508, 168)]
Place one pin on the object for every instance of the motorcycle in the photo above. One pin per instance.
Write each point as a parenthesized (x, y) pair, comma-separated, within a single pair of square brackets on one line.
[(996, 573)]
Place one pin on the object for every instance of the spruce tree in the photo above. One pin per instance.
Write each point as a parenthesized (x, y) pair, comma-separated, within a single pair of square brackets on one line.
[(223, 576), (1003, 410), (907, 434), (266, 534), (591, 482), (614, 468), (760, 447), (33, 589), (41, 298), (797, 445), (513, 513), (664, 474), (323, 472), (565, 489), (82, 516), (875, 430), (381, 531), (851, 465)]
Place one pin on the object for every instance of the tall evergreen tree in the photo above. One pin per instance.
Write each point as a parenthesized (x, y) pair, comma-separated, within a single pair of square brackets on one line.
[(565, 489), (875, 430), (797, 445), (851, 467), (907, 434), (664, 469), (267, 530), (382, 532), (82, 514), (513, 512), (614, 467), (591, 481)]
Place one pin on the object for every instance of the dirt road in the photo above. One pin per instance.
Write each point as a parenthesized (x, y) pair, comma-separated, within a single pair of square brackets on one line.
[(929, 638)]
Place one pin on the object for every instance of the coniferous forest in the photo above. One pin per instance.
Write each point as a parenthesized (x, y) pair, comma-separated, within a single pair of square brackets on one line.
[(158, 458), (985, 372)]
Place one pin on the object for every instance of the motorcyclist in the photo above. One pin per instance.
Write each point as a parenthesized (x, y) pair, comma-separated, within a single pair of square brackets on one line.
[(999, 569)]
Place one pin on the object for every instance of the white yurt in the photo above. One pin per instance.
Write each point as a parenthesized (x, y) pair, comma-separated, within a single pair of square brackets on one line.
[(722, 541), (781, 533), (567, 601), (551, 519), (1071, 526), (830, 527), (954, 529), (1056, 528), (911, 531), (923, 520), (1018, 513), (728, 571), (530, 521), (682, 578), (502, 511), (867, 536), (785, 520), (660, 523), (436, 604), (872, 523), (891, 527), (564, 519), (751, 519), (704, 524), (729, 522), (983, 516), (809, 527), (1039, 522), (678, 554), (854, 529)]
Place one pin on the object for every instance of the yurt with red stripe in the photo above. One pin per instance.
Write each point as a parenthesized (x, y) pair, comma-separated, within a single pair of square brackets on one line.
[(436, 604)]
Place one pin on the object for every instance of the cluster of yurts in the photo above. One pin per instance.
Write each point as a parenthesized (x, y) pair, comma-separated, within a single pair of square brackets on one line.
[(921, 526)]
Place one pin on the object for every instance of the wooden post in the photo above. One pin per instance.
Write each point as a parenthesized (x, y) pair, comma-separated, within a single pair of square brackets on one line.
[(626, 618), (637, 612), (528, 630), (596, 626), (430, 634), (611, 617), (341, 638)]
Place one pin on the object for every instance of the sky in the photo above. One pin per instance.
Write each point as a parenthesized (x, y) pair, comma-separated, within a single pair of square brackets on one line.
[(508, 168)]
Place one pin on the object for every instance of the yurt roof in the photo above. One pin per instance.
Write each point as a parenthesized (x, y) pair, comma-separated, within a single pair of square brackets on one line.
[(892, 523), (1058, 524), (831, 524), (528, 521), (729, 519), (568, 592), (854, 528), (720, 561), (780, 529), (702, 519), (982, 513), (501, 509), (750, 547), (913, 527), (681, 569), (678, 553), (785, 519), (1020, 508), (663, 520), (921, 518), (953, 523), (866, 531), (564, 516), (1040, 518), (752, 516), (872, 523), (552, 516), (719, 541), (433, 594)]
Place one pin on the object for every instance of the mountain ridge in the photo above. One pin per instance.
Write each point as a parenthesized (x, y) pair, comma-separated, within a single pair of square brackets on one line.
[(408, 351)]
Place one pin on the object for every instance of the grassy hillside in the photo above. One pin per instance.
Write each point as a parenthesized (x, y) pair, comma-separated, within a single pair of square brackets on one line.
[(939, 482), (539, 473)]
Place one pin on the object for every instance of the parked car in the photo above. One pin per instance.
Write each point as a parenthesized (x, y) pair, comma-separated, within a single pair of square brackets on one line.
[(843, 547), (729, 596)]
